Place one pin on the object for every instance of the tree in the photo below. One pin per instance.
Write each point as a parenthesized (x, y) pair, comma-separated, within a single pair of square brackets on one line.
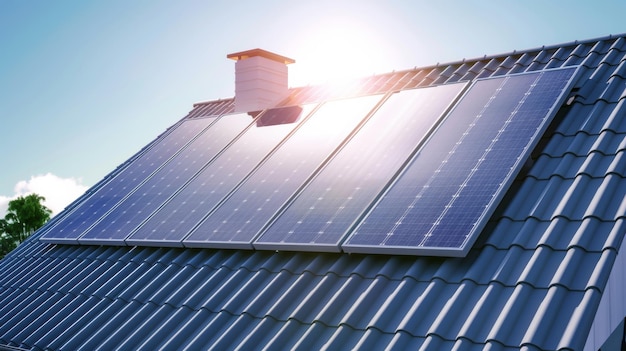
[(24, 215)]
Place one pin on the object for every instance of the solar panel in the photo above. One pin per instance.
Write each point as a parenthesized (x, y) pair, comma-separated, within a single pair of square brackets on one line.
[(441, 202), (238, 219), (154, 192), (124, 181), (174, 220), (326, 209)]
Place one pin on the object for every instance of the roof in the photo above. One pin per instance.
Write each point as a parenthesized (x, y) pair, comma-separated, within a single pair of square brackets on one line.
[(534, 279)]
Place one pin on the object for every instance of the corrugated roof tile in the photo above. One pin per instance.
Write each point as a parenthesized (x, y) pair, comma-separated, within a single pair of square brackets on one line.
[(608, 200), (578, 144), (559, 233), (586, 118), (541, 327), (524, 60), (118, 325), (575, 263), (581, 316), (620, 70), (223, 290), (315, 337), (130, 325), (144, 328), (614, 91), (134, 283), (570, 192), (490, 67), (110, 280), (512, 320), (27, 319), (391, 311), (425, 308), (207, 329), (601, 270), (432, 76), (303, 300), (598, 165), (274, 297), (480, 320), (559, 57), (541, 60), (453, 315), (373, 339), (176, 331), (46, 337), (84, 277), (364, 309), (159, 291), (406, 341)]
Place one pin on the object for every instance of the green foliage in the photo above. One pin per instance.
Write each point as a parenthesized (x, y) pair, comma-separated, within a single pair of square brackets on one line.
[(24, 215)]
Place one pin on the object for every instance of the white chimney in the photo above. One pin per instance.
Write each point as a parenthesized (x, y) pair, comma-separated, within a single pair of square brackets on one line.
[(260, 79)]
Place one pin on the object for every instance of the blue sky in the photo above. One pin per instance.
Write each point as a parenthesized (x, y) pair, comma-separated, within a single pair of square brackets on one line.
[(85, 84)]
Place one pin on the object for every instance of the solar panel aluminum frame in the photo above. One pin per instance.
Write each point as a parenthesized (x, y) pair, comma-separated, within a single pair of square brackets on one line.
[(336, 247), (496, 199)]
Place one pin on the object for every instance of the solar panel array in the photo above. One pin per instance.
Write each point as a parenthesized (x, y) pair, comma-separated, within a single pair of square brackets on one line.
[(245, 213), (166, 181), (90, 211), (411, 172), (444, 197), (175, 219), (324, 211)]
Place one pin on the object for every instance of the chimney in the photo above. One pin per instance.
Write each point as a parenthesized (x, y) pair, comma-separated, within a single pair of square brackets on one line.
[(260, 79)]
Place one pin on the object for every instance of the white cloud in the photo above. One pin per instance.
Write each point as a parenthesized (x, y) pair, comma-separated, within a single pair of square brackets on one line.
[(59, 192)]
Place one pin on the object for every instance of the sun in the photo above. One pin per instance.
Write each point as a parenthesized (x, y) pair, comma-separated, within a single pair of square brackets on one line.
[(337, 51)]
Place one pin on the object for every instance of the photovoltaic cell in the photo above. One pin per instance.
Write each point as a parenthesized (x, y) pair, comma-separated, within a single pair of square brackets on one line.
[(327, 208), (444, 197), (173, 221), (238, 219), (69, 229), (116, 225)]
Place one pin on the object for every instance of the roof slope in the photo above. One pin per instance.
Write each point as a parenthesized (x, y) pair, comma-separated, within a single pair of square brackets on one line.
[(534, 279)]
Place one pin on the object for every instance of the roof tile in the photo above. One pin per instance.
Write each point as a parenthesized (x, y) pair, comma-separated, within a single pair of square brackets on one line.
[(47, 336)]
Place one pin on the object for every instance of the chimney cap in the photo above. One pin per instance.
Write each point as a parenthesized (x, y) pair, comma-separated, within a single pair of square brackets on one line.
[(260, 52)]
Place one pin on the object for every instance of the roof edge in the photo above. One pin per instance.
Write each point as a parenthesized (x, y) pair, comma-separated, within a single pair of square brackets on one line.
[(442, 64)]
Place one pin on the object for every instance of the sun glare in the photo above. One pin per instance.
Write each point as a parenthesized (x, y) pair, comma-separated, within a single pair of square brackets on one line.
[(337, 51)]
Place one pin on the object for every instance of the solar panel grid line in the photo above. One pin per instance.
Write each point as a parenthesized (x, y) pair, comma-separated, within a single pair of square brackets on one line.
[(161, 144), (270, 220), (526, 121), (379, 151), (427, 185), (546, 116), (137, 238), (97, 234), (239, 218), (417, 149), (70, 208), (314, 174), (102, 182), (132, 241), (438, 170), (480, 160), (82, 240)]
